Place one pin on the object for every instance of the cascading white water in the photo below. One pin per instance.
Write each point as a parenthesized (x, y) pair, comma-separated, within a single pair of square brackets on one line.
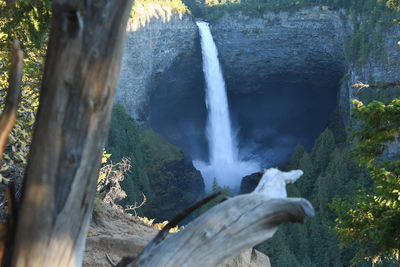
[(219, 134), (223, 154)]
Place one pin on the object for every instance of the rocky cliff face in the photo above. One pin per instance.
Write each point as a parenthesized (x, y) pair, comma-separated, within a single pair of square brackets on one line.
[(303, 46), (308, 45), (152, 46), (382, 71), (285, 73)]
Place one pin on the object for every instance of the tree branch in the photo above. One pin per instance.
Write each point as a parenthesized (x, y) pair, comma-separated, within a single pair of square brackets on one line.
[(7, 118)]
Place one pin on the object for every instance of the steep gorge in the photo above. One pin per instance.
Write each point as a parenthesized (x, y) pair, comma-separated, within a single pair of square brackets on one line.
[(285, 74)]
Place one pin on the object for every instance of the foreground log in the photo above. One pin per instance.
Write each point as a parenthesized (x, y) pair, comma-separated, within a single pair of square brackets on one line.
[(231, 227), (76, 98)]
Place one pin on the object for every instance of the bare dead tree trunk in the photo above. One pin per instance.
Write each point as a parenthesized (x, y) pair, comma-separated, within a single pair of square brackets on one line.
[(81, 73)]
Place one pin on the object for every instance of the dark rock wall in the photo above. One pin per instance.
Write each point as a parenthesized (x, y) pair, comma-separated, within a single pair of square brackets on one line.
[(285, 73), (151, 48), (282, 73), (177, 105), (305, 46)]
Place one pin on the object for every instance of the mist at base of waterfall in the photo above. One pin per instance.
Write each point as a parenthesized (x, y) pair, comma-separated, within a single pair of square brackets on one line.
[(227, 174)]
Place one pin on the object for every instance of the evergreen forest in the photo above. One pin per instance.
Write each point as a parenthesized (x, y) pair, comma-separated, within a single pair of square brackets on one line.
[(349, 176)]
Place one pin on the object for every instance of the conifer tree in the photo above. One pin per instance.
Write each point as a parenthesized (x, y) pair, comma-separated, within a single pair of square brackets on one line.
[(322, 149), (295, 158), (371, 218), (306, 183)]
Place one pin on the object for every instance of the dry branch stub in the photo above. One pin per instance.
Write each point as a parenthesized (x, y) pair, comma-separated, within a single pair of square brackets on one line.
[(7, 120), (9, 114)]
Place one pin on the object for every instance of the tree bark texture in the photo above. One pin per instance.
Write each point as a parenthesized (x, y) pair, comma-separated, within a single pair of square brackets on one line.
[(225, 231), (231, 227), (80, 78)]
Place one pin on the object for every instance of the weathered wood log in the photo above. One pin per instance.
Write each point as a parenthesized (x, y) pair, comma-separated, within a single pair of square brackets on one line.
[(76, 98), (229, 228), (180, 217), (224, 231)]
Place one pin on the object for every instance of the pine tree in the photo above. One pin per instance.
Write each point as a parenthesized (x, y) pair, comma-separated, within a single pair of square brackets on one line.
[(371, 218), (321, 151), (124, 141), (306, 182), (295, 158)]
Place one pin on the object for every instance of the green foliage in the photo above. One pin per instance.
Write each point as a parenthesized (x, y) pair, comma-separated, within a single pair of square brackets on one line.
[(295, 158), (159, 169), (367, 95), (336, 125), (305, 184), (225, 192), (98, 209), (329, 172), (214, 9), (124, 141), (371, 218), (195, 7), (142, 9), (28, 21), (322, 149), (102, 179), (175, 184), (380, 126), (157, 150)]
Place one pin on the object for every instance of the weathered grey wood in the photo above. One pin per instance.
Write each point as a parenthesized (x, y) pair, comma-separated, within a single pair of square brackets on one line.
[(229, 228), (226, 230), (9, 114), (80, 77)]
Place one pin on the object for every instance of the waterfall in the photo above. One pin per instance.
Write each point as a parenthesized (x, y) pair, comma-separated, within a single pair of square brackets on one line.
[(224, 163)]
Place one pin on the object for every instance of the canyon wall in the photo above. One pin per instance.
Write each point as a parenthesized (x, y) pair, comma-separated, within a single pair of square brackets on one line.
[(161, 76), (303, 46), (152, 45), (381, 71)]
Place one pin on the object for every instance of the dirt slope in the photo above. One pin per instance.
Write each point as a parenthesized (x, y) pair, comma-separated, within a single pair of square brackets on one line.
[(121, 235)]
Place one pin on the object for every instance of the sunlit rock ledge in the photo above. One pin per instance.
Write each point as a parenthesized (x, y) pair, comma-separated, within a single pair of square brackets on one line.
[(154, 41)]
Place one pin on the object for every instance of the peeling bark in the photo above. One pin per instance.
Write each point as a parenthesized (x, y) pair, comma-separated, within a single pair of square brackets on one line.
[(76, 98)]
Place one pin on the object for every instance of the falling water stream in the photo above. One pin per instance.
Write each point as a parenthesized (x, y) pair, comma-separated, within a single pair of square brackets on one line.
[(224, 163)]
